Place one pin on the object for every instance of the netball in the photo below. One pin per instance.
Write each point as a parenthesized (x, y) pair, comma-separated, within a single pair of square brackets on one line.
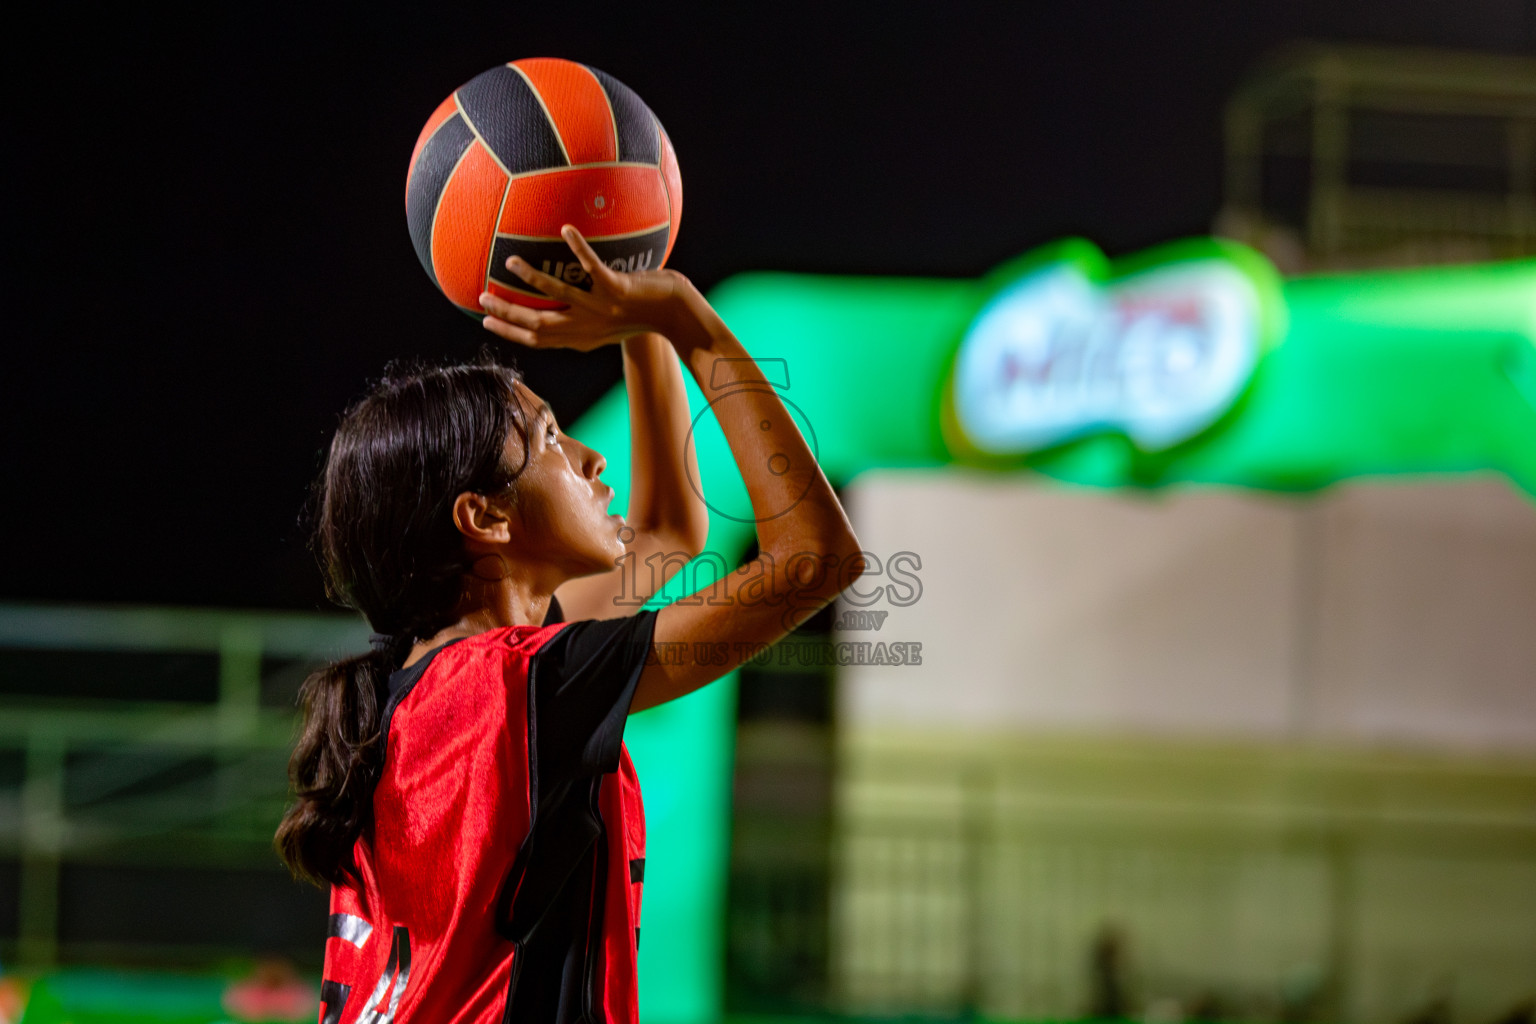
[(519, 151)]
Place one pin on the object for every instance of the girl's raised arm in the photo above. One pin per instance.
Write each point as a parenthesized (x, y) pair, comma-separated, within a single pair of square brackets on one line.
[(666, 515), (807, 551)]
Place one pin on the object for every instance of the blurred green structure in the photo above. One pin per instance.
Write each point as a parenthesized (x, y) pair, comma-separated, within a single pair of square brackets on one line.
[(1405, 372), (179, 773), (1429, 371), (109, 997)]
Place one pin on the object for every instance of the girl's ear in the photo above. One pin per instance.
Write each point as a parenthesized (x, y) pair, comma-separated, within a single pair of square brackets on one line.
[(481, 522)]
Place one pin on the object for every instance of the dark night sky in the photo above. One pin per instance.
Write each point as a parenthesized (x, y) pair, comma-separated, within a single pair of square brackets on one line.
[(207, 246)]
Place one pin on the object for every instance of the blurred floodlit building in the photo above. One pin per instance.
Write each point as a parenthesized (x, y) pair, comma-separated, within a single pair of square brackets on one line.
[(1212, 754), (1279, 746)]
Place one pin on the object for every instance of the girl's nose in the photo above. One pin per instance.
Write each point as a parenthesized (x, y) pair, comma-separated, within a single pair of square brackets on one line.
[(592, 463)]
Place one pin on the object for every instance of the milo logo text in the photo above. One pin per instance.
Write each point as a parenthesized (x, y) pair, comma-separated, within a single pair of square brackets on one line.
[(1067, 348)]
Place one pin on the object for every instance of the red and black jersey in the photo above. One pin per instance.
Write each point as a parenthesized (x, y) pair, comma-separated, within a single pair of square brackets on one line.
[(500, 879)]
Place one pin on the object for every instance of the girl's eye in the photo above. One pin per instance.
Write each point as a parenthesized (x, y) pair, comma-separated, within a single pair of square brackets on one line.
[(553, 433)]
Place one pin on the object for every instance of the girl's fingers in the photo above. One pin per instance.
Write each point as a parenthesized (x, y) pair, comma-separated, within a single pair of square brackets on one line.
[(522, 316), (511, 332), (551, 286), (590, 261)]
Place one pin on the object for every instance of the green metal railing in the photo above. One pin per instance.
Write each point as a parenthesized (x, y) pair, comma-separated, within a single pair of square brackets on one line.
[(110, 781)]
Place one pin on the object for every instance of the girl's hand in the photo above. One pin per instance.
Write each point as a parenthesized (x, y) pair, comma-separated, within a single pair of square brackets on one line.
[(619, 305)]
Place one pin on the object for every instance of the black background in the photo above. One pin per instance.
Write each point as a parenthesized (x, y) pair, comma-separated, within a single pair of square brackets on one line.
[(206, 245)]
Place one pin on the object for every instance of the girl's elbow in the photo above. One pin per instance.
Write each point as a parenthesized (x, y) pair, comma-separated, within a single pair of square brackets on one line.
[(842, 545), (688, 539), (696, 538)]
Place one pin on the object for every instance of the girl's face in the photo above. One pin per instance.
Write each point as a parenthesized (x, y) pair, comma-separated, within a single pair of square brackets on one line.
[(561, 512)]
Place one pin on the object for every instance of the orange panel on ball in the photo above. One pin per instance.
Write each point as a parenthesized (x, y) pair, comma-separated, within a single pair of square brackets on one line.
[(577, 105), (520, 298), (461, 231), (600, 201), (673, 180)]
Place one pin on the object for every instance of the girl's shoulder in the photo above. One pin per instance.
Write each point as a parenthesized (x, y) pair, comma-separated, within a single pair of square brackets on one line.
[(519, 639), (495, 647)]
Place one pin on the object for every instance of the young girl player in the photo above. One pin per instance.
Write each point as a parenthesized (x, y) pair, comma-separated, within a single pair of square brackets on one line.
[(464, 788)]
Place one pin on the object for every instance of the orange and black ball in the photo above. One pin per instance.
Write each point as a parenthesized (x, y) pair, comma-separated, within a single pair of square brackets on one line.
[(519, 151)]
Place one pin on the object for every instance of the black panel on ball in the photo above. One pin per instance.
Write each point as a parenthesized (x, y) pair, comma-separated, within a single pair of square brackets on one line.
[(629, 254), (639, 131), (434, 166), (509, 117)]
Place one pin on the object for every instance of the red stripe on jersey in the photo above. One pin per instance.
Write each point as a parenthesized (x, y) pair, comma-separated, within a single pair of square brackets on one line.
[(577, 105), (613, 201)]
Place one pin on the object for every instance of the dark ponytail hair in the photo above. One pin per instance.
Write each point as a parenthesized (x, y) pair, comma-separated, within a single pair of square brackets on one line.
[(384, 534)]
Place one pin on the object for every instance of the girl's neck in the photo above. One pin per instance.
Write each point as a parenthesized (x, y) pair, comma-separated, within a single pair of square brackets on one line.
[(488, 605)]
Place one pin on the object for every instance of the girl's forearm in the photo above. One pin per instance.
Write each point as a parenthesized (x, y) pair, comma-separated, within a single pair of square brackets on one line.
[(795, 508), (663, 471)]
